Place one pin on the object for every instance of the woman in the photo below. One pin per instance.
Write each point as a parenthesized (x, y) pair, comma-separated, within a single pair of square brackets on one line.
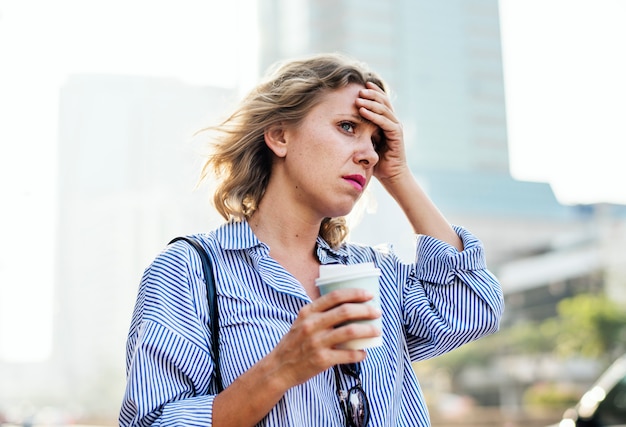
[(292, 161)]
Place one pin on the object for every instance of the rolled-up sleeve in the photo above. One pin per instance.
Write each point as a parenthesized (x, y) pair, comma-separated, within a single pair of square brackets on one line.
[(451, 298), (169, 365)]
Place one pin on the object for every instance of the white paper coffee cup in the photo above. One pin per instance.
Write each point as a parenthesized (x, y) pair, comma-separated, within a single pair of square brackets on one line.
[(363, 276)]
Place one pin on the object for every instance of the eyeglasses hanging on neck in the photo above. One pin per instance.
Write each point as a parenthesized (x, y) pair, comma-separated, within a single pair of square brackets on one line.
[(354, 402)]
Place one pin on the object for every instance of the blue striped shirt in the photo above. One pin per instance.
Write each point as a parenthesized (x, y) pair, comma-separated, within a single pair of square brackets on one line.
[(443, 300)]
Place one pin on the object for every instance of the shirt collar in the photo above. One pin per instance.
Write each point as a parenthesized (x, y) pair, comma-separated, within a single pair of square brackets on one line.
[(237, 235), (328, 255)]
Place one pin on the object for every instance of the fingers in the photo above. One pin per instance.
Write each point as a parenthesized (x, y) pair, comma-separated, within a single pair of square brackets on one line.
[(338, 297), (375, 106), (313, 342), (352, 331), (338, 307), (376, 94), (376, 103), (329, 317)]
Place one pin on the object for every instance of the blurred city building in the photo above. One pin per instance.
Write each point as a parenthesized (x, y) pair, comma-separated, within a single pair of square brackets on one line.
[(128, 168)]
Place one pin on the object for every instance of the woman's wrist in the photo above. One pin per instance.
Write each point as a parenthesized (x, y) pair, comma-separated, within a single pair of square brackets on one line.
[(271, 373), (251, 396), (401, 182), (419, 209)]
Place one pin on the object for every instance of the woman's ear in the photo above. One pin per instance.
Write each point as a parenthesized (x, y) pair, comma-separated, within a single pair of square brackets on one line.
[(275, 139)]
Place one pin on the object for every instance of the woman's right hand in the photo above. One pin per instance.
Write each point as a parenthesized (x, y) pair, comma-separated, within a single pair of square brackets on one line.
[(311, 345)]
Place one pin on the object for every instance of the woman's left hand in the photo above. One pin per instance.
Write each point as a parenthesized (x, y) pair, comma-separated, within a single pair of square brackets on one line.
[(375, 106), (393, 171)]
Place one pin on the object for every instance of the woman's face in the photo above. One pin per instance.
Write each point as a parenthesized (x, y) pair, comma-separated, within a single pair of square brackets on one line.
[(330, 156)]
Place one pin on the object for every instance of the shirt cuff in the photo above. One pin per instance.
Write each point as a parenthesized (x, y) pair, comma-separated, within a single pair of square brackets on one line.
[(192, 411), (440, 262)]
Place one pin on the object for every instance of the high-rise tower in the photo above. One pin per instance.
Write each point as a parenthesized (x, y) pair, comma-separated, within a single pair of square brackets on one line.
[(443, 62)]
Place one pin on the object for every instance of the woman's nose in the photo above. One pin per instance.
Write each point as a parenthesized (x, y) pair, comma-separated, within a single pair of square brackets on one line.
[(366, 153)]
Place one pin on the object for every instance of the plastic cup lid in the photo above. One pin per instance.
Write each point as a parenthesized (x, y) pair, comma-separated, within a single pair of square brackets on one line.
[(336, 272)]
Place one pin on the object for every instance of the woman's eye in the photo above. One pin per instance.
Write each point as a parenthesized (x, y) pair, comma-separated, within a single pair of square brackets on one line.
[(347, 126)]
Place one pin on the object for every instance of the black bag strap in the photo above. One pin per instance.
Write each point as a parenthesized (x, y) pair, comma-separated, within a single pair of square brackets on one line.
[(211, 292)]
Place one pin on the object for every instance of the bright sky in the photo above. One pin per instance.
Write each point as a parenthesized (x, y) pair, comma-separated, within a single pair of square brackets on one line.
[(204, 42), (565, 73)]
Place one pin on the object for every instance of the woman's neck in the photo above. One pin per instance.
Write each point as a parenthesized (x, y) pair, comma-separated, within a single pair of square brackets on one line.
[(280, 228), (291, 239)]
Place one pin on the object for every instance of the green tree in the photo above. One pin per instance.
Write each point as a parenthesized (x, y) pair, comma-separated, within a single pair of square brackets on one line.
[(589, 325)]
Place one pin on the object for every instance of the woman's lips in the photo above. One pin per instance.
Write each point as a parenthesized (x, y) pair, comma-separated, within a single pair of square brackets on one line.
[(357, 181)]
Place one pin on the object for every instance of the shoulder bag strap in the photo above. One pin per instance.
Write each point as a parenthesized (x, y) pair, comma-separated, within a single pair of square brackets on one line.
[(211, 292)]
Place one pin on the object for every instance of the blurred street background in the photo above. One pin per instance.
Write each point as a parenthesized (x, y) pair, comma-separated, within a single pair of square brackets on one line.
[(513, 114)]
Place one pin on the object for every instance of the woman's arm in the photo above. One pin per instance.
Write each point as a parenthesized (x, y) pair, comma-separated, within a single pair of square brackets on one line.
[(394, 174), (169, 363), (423, 215), (451, 298), (310, 347)]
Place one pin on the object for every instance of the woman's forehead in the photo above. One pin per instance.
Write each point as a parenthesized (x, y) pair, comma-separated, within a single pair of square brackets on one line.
[(343, 97)]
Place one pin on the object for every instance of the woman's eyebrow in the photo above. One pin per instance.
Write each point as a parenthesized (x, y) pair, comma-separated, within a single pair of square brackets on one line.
[(356, 118)]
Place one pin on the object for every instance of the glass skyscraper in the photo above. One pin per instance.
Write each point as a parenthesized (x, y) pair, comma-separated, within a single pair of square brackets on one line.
[(443, 62)]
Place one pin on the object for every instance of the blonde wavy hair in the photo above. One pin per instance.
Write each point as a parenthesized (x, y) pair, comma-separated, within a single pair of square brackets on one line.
[(240, 159)]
